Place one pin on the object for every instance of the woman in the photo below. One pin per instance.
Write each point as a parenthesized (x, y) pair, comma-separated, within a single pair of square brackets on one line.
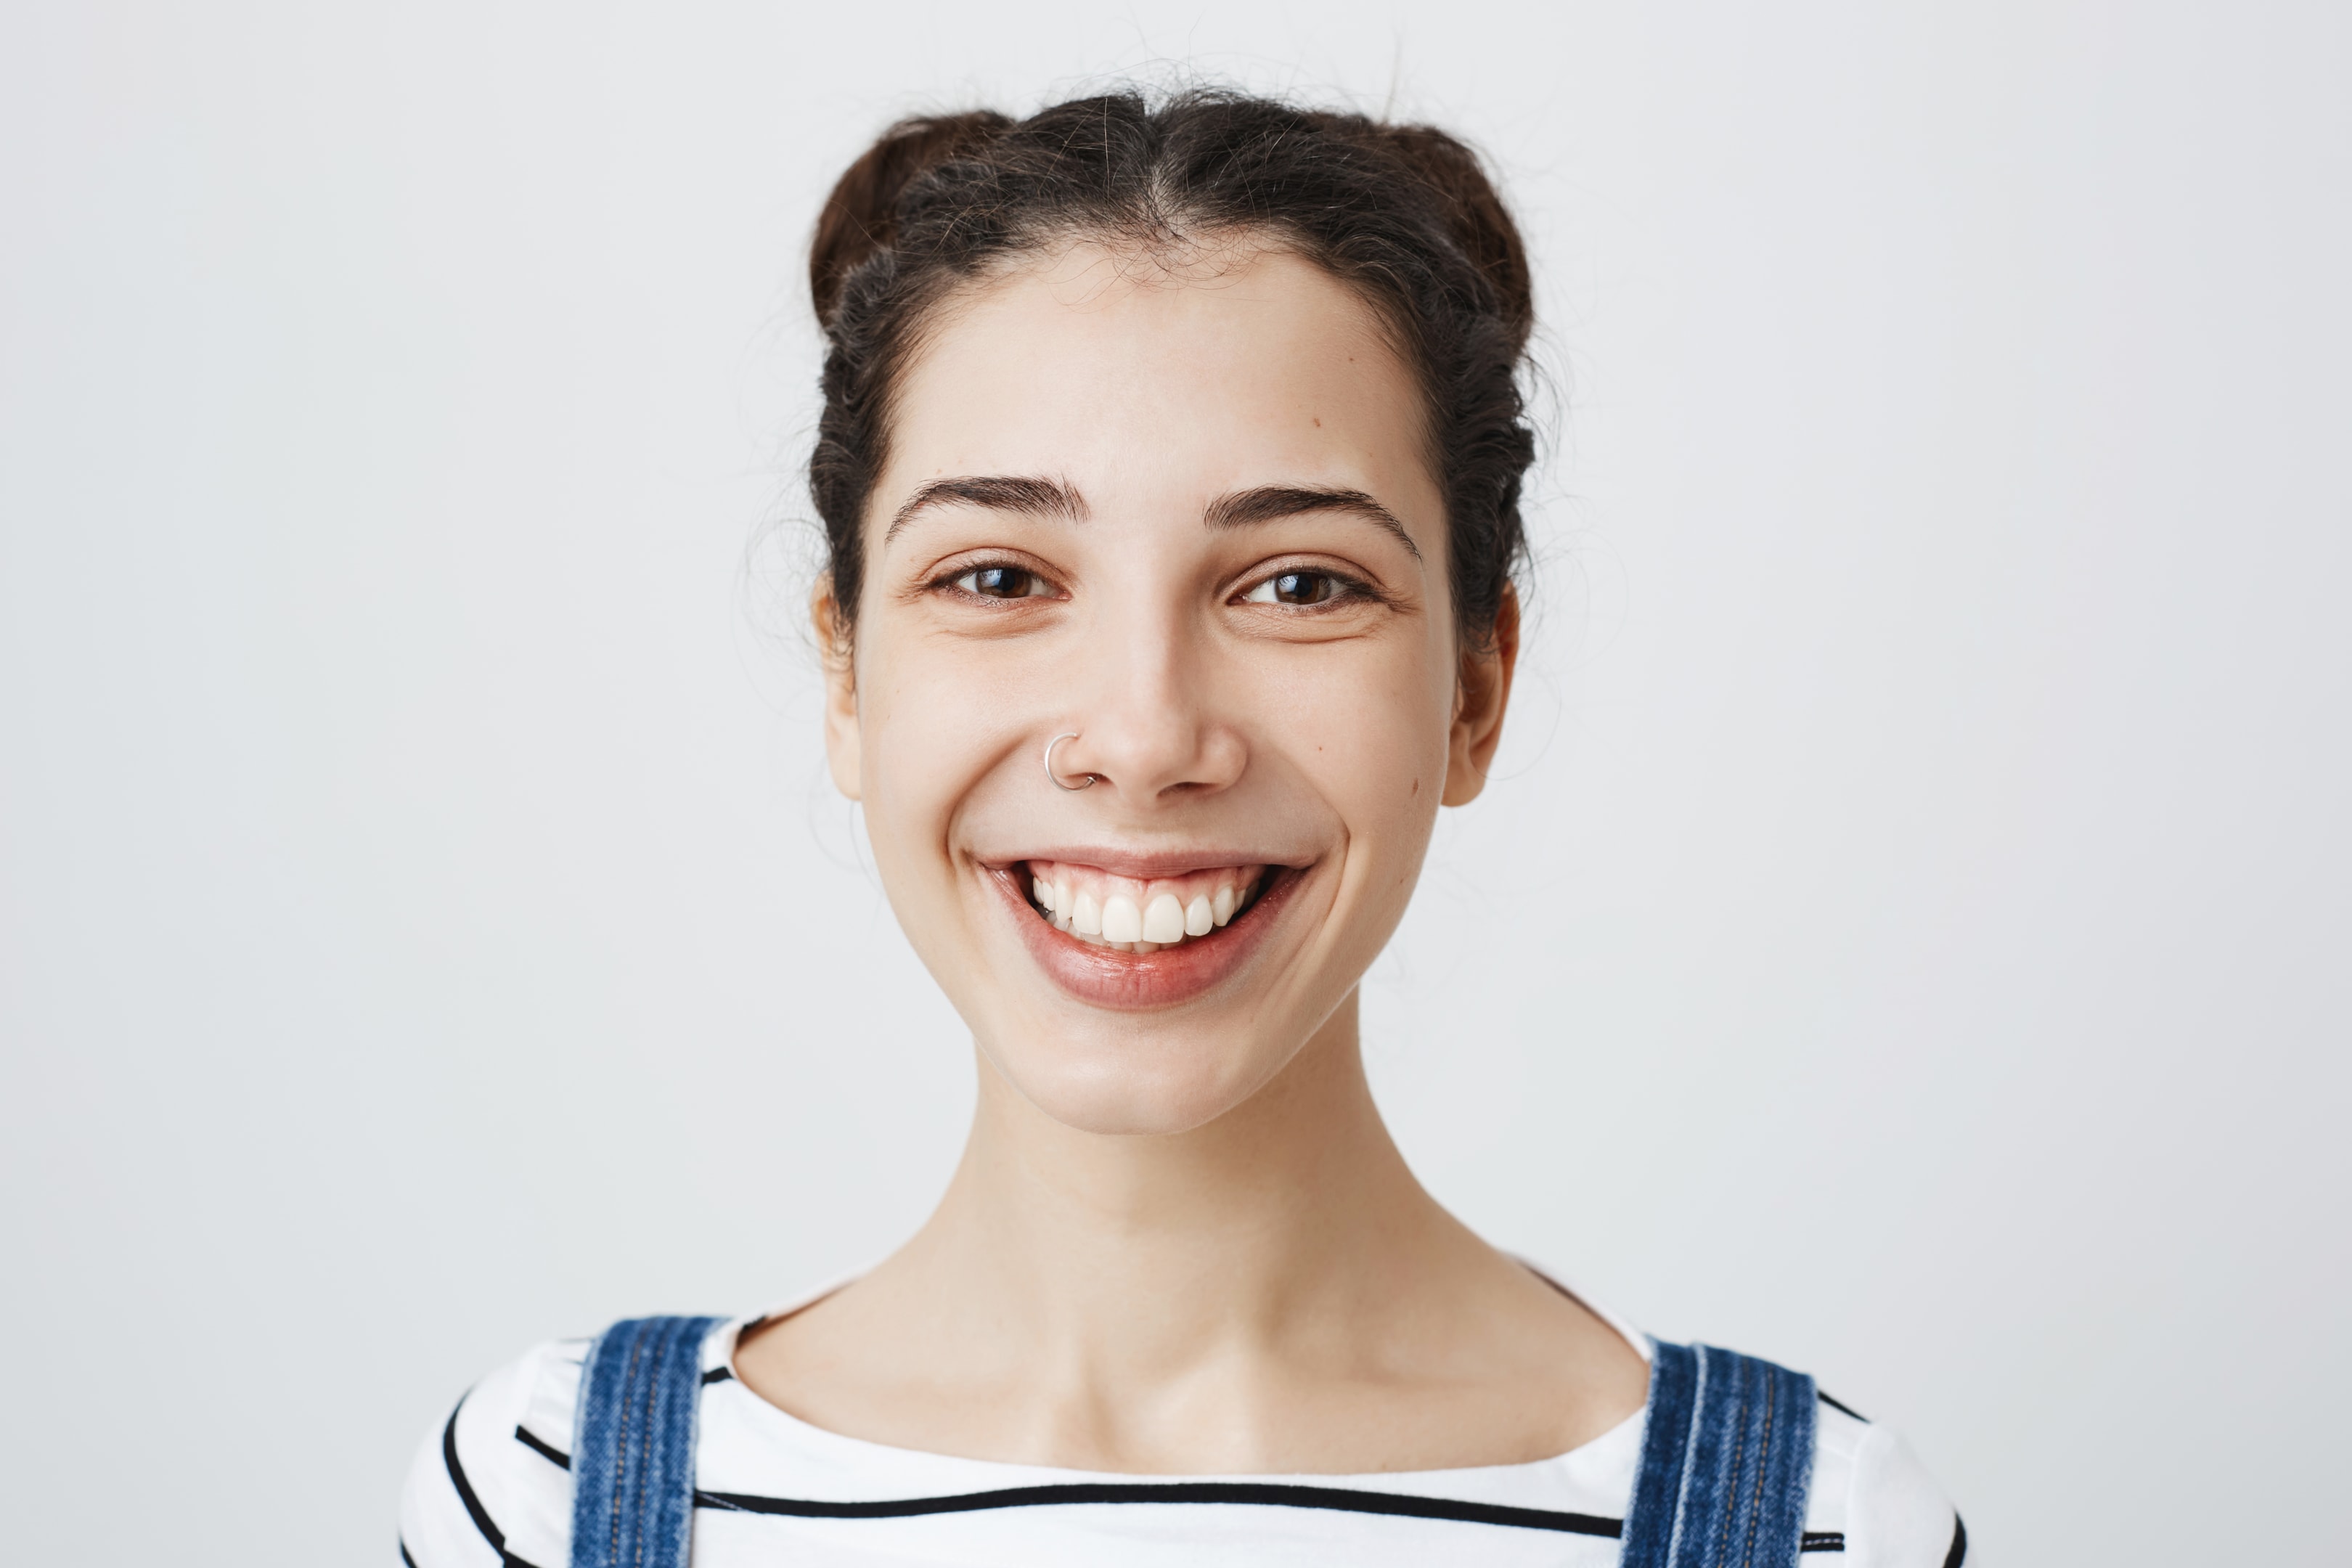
[(1170, 465)]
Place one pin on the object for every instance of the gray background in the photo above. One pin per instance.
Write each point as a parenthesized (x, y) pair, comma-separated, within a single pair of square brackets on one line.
[(1908, 940)]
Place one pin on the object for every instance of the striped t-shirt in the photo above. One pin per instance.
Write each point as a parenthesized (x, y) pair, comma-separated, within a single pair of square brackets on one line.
[(491, 1489)]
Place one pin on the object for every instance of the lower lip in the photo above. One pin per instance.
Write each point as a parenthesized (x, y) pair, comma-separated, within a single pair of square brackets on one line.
[(1136, 982)]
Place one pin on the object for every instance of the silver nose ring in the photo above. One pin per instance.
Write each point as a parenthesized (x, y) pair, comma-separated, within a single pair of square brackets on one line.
[(1049, 764)]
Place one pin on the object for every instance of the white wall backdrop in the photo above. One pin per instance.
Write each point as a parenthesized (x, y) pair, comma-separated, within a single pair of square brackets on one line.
[(1911, 940)]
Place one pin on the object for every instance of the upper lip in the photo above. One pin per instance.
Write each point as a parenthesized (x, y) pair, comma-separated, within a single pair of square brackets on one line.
[(1143, 864)]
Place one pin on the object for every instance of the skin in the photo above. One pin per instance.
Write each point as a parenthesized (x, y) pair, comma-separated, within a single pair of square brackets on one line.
[(1180, 1240)]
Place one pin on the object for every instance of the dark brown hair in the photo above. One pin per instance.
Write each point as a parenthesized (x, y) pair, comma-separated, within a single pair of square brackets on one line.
[(1402, 214)]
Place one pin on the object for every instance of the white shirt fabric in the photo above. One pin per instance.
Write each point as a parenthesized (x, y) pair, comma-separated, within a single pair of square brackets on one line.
[(488, 1489)]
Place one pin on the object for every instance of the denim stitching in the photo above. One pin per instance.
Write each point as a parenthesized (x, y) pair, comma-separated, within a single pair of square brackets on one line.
[(1763, 1465), (1690, 1452), (1731, 1473), (621, 1447), (646, 1460)]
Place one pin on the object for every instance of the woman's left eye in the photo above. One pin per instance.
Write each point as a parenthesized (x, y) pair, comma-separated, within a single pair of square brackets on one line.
[(1299, 588), (1002, 583)]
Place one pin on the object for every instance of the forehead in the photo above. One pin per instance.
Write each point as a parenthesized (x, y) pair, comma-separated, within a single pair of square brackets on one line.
[(1122, 372)]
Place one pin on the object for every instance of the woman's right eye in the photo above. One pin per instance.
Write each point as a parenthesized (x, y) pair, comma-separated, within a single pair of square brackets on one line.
[(1002, 583)]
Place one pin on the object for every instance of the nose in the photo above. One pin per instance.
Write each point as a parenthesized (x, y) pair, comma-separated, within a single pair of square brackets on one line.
[(1146, 716)]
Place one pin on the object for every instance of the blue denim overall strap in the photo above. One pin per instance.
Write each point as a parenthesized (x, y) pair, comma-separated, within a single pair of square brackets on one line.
[(633, 1445), (1726, 1460)]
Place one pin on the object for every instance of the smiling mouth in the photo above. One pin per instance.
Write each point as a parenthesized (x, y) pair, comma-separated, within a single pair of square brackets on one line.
[(1127, 914)]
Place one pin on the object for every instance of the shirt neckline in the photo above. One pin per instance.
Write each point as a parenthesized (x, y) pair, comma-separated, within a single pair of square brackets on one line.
[(719, 1355)]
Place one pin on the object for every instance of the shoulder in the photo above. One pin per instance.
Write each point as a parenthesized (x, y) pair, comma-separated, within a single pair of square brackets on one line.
[(490, 1484), (1872, 1492)]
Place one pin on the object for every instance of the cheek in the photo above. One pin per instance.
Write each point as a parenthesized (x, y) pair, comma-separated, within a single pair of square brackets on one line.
[(1372, 736), (925, 733)]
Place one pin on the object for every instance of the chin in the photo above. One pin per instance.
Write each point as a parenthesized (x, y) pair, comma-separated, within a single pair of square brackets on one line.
[(1138, 1083)]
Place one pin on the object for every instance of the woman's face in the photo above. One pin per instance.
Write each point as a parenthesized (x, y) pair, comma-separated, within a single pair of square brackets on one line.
[(1190, 517)]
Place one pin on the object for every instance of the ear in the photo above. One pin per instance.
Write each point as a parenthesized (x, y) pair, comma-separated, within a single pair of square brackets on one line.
[(844, 746), (1480, 696)]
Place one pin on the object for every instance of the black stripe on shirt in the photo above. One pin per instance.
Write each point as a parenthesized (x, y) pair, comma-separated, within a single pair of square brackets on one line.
[(1959, 1551), (1345, 1499), (405, 1557), (1842, 1404), (481, 1515), (541, 1447), (1186, 1492), (474, 1509), (723, 1375)]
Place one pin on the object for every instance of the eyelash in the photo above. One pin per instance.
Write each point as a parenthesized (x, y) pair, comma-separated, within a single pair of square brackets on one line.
[(953, 582), (1345, 589)]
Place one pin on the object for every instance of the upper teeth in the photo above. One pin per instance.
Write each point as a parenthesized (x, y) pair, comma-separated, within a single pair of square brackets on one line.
[(1122, 921), (1163, 918), (1139, 916)]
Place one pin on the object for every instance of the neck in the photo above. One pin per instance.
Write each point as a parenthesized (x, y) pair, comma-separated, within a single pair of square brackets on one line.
[(1140, 1254), (1271, 1292)]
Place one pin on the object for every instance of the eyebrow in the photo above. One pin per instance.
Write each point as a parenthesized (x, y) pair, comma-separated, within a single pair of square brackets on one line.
[(1271, 502), (997, 493), (1037, 497)]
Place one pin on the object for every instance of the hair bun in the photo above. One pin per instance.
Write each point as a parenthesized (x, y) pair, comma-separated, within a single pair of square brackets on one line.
[(861, 217), (1482, 225), (1401, 214)]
